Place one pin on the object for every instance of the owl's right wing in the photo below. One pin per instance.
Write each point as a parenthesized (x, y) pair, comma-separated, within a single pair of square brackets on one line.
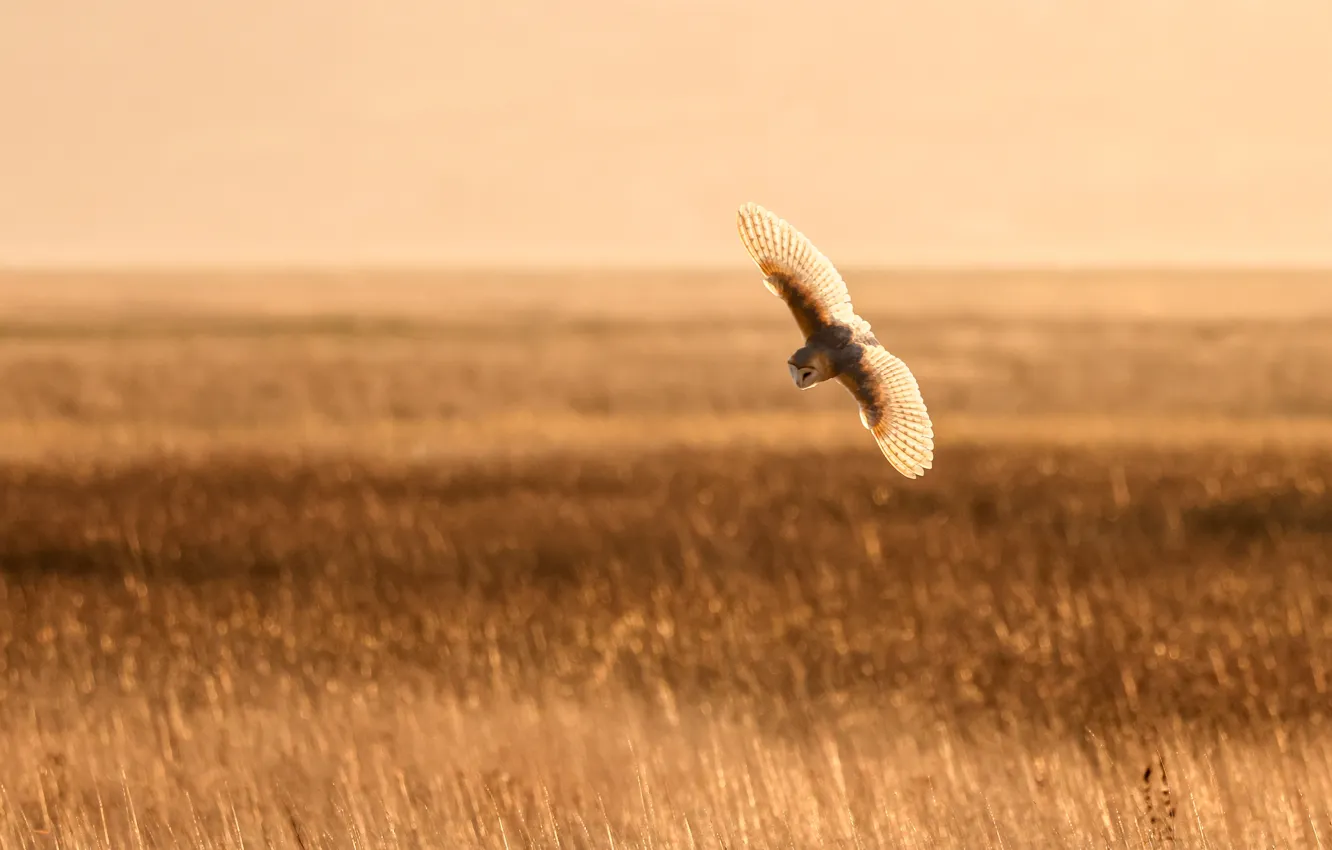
[(797, 272), (892, 409)]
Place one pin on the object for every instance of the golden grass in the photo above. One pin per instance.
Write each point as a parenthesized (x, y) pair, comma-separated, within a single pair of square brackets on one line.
[(303, 582), (787, 650), (602, 294), (467, 375)]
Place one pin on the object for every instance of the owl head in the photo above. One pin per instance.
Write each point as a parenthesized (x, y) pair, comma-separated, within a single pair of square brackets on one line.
[(808, 367)]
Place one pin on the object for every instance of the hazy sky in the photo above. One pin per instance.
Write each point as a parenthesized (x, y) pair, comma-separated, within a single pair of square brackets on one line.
[(627, 131)]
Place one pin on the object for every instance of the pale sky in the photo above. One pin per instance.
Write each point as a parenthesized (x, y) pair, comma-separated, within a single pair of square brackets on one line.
[(591, 132)]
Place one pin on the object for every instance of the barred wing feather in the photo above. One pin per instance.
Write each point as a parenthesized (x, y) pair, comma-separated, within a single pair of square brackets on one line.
[(892, 409), (797, 272)]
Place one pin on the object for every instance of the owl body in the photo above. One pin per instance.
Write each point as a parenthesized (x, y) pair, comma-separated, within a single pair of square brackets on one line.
[(829, 352)]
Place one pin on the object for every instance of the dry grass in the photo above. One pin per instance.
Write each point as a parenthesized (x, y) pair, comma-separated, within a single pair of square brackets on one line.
[(472, 373), (308, 639), (602, 294)]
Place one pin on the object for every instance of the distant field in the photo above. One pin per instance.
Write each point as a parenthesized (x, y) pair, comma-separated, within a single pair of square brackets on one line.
[(435, 366), (1201, 295), (396, 570)]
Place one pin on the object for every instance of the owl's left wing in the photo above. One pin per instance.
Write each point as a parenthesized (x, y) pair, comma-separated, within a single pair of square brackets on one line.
[(891, 408), (797, 272)]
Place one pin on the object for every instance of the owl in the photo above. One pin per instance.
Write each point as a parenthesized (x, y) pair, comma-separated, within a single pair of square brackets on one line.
[(838, 343)]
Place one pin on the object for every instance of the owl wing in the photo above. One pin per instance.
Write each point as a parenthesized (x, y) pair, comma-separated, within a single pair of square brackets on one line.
[(797, 272), (891, 408)]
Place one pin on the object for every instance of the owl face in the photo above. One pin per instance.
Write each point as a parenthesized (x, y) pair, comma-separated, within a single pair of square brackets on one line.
[(804, 376), (808, 368)]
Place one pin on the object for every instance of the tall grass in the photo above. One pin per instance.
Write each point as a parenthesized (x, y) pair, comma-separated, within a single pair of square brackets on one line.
[(545, 567), (686, 650)]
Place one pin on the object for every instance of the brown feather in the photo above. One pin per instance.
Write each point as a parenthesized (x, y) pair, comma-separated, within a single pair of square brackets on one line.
[(797, 272), (891, 408)]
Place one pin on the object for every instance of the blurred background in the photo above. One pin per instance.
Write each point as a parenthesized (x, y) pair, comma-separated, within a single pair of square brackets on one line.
[(528, 135), (397, 447)]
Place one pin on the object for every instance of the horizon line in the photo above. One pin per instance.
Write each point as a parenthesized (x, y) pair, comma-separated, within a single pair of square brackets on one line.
[(526, 270)]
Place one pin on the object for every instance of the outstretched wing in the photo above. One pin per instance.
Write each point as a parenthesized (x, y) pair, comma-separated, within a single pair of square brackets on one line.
[(892, 409), (797, 272)]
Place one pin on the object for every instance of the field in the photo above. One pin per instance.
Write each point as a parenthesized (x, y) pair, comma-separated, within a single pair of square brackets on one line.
[(565, 561)]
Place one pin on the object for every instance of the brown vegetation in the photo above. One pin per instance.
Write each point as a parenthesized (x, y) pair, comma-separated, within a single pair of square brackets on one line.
[(302, 637)]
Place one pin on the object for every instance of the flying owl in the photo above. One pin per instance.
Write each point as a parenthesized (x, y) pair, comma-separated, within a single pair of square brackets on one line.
[(838, 343)]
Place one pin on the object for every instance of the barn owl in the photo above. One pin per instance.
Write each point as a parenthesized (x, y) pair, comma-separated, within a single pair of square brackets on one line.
[(838, 343)]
